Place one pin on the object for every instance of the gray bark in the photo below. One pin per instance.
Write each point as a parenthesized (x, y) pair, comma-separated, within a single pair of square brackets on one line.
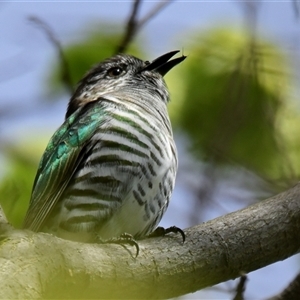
[(40, 265)]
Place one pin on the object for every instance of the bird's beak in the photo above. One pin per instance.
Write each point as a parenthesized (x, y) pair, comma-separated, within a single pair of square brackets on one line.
[(163, 65)]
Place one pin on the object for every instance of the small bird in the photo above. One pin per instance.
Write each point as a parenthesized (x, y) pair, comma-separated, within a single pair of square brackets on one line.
[(108, 172)]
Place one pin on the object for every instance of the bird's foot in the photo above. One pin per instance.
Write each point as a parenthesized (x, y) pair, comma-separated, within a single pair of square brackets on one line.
[(123, 239), (160, 231)]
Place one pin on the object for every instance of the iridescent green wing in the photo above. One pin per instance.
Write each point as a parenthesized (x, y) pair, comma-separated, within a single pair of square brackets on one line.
[(63, 154)]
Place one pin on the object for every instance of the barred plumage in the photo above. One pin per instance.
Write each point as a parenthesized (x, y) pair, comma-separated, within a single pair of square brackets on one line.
[(110, 168)]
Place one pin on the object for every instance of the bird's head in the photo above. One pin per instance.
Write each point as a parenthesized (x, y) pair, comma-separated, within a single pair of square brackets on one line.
[(124, 75)]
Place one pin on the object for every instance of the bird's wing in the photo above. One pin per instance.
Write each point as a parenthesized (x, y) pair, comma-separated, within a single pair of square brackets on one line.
[(63, 154)]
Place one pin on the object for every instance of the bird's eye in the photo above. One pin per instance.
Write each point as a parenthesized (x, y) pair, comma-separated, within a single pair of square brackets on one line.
[(115, 72)]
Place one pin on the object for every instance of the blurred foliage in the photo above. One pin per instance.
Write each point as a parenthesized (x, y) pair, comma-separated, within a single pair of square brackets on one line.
[(81, 56), (15, 188), (235, 89)]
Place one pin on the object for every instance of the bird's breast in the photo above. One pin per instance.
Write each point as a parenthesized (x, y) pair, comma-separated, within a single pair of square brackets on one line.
[(125, 182)]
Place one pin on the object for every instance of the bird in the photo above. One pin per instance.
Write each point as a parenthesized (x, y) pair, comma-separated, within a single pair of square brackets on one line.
[(109, 170)]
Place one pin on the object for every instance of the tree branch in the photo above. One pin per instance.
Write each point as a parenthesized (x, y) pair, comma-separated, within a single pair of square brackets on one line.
[(41, 265), (291, 292), (65, 71)]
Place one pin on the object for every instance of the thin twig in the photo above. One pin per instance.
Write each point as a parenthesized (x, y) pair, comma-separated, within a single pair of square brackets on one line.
[(65, 71), (131, 27), (158, 8), (296, 8), (240, 289)]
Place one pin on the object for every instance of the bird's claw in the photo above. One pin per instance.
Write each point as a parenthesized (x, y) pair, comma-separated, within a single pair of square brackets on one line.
[(160, 231), (124, 238)]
